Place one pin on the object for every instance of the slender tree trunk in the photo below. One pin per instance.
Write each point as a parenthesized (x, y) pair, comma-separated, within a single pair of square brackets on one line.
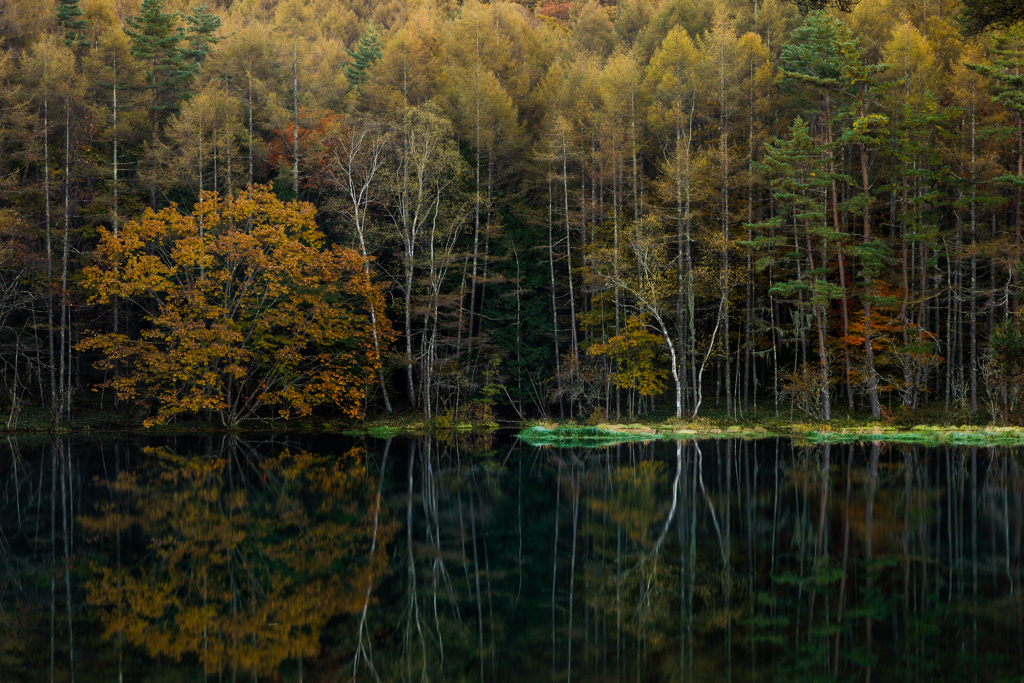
[(866, 215), (690, 303), (568, 255), (407, 314), (748, 351), (724, 151), (248, 75), (840, 256), (554, 290), (667, 334), (974, 263), (65, 304), (820, 319), (476, 198), (54, 390), (1014, 277), (295, 115)]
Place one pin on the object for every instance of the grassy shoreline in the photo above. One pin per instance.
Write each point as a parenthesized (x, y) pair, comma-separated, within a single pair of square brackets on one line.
[(928, 435), (927, 428)]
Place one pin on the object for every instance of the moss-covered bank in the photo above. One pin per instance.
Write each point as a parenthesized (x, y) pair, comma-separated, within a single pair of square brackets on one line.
[(564, 434)]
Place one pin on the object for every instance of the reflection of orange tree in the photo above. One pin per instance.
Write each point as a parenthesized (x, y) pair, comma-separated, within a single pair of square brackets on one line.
[(244, 567)]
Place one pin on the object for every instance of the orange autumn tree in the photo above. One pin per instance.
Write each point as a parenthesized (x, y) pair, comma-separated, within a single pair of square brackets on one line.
[(245, 313)]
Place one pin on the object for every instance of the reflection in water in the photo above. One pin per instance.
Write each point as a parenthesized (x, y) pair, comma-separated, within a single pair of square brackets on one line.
[(248, 555), (437, 560)]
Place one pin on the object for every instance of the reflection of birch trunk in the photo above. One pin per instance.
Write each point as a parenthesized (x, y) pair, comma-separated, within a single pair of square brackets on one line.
[(653, 554), (675, 500), (65, 473), (572, 567), (750, 478), (439, 573), (363, 647), (819, 551), (15, 461), (846, 555), (413, 616), (53, 559), (519, 524), (490, 589), (120, 579), (974, 540), (554, 577), (476, 579), (711, 507), (868, 522), (687, 577), (727, 548), (907, 499)]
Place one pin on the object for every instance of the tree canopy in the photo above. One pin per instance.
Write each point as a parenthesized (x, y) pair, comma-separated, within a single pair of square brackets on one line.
[(529, 182), (246, 312)]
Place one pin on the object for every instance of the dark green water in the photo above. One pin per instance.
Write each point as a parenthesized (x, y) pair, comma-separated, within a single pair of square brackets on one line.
[(482, 559)]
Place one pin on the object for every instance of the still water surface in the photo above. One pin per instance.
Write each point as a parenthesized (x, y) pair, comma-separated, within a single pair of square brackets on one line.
[(482, 559)]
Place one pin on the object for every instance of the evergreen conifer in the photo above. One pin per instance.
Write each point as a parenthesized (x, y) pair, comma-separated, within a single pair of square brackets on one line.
[(156, 42), (367, 52), (69, 15), (199, 37)]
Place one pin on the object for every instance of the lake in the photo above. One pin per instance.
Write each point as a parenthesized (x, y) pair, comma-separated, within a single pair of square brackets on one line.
[(480, 558)]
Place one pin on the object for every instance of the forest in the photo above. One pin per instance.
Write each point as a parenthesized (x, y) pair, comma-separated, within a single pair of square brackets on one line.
[(266, 209)]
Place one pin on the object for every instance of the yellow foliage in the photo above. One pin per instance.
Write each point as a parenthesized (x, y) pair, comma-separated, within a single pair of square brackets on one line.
[(636, 349), (245, 565), (246, 312)]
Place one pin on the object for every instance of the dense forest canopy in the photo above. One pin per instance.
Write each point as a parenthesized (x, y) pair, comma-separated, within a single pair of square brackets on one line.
[(574, 208)]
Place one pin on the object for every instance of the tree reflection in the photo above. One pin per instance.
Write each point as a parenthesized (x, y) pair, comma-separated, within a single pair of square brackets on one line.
[(246, 557), (719, 561)]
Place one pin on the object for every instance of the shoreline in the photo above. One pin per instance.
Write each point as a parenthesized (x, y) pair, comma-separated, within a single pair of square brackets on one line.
[(922, 434), (570, 433)]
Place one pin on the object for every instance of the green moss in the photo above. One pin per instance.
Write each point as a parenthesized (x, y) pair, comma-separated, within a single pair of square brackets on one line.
[(582, 436), (571, 435)]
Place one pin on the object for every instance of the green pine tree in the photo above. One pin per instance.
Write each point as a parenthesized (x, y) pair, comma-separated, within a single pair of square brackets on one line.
[(826, 55), (1007, 75), (199, 36), (367, 52), (800, 232), (69, 15), (156, 42)]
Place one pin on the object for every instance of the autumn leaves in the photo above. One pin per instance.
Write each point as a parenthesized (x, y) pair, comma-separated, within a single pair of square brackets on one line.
[(244, 313)]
